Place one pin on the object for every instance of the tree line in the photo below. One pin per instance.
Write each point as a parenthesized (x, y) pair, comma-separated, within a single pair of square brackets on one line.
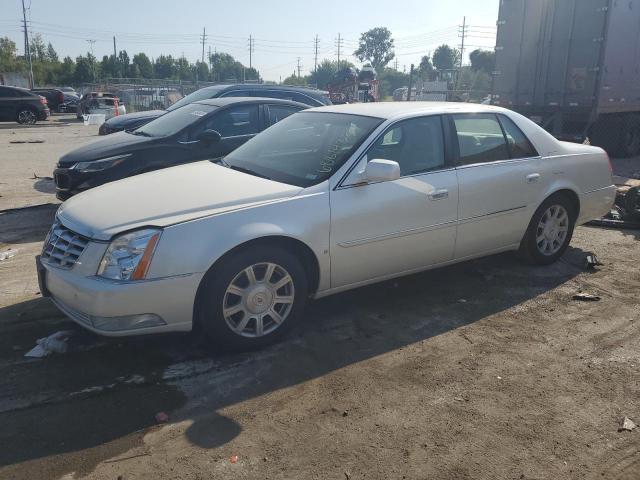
[(48, 69), (375, 48)]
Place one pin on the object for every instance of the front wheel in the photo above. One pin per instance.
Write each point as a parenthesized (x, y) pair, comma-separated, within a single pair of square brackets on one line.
[(252, 298), (549, 231), (26, 116)]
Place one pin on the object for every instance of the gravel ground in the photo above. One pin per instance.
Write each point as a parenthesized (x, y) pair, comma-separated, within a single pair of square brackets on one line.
[(487, 369)]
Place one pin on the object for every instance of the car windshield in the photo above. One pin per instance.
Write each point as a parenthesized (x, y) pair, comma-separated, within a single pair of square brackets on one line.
[(172, 122), (202, 94), (303, 149)]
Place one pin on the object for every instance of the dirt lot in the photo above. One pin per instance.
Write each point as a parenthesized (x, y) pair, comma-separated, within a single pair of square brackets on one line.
[(487, 369)]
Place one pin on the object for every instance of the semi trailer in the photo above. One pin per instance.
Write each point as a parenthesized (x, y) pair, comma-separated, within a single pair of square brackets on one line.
[(572, 66)]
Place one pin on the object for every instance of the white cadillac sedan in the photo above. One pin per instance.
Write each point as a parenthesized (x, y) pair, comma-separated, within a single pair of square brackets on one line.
[(326, 200)]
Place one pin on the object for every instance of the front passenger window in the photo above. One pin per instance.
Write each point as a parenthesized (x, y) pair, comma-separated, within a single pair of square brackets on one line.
[(416, 144)]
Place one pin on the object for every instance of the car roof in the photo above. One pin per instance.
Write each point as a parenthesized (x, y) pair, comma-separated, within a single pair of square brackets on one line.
[(388, 110), (266, 86), (224, 101)]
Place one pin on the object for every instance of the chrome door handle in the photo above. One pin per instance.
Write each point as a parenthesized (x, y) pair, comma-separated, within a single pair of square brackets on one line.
[(438, 194), (533, 177)]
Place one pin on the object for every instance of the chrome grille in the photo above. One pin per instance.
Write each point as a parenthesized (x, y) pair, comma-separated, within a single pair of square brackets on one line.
[(63, 247)]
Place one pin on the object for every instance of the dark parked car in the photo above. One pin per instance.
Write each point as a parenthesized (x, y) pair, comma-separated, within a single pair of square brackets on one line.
[(70, 103), (22, 106), (54, 96), (308, 96), (207, 129)]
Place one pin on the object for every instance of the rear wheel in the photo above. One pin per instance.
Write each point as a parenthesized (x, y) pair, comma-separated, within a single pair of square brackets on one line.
[(550, 231), (252, 298), (26, 116)]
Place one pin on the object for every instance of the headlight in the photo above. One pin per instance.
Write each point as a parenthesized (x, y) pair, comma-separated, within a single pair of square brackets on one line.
[(102, 164), (129, 255)]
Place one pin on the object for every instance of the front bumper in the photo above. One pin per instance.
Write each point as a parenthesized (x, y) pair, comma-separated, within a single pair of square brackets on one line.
[(70, 182), (121, 308)]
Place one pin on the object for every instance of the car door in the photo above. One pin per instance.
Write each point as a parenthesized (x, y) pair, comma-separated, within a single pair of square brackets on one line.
[(7, 104), (387, 228), (500, 182)]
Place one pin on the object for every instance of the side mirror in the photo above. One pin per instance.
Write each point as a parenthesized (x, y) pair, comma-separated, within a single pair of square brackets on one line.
[(209, 137), (378, 170)]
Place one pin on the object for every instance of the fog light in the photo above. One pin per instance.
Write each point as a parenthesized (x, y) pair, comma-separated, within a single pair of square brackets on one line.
[(130, 322)]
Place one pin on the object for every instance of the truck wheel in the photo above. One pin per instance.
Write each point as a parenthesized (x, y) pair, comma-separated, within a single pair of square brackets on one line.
[(26, 116), (630, 137), (549, 232), (252, 298)]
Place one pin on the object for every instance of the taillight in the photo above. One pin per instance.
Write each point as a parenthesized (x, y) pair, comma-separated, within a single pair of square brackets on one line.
[(43, 100), (61, 97)]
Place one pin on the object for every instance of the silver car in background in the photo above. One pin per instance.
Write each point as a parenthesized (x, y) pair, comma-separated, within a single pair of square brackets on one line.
[(327, 200)]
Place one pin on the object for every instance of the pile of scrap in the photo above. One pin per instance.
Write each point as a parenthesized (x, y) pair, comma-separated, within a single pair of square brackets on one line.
[(626, 210)]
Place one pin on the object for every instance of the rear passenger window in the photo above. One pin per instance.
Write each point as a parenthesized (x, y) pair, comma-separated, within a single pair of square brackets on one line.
[(519, 145), (278, 112), (480, 138)]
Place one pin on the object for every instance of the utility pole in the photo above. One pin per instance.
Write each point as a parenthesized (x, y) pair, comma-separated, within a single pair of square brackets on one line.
[(250, 51), (204, 38), (210, 64), (93, 58), (315, 57), (27, 50), (464, 28), (339, 45), (410, 82), (395, 65), (299, 67)]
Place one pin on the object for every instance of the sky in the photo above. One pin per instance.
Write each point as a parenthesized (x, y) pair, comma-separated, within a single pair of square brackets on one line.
[(283, 30)]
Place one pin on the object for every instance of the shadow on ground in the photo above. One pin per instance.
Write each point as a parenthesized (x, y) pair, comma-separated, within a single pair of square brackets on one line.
[(338, 331)]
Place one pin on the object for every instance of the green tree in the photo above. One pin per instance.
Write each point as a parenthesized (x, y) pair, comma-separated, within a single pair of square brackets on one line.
[(52, 55), (294, 80), (8, 56), (226, 68), (143, 63), (482, 60), (86, 69), (376, 48), (202, 71), (425, 69), (67, 71), (391, 79), (38, 48), (446, 58), (164, 67)]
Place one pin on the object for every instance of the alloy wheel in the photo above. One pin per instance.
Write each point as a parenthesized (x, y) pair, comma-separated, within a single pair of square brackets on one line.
[(258, 300), (552, 230), (26, 117)]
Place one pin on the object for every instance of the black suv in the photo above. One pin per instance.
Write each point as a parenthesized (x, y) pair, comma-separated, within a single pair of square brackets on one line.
[(22, 106), (309, 96), (206, 129)]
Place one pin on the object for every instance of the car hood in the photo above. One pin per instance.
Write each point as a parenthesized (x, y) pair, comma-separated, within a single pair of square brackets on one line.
[(122, 121), (166, 197), (107, 146)]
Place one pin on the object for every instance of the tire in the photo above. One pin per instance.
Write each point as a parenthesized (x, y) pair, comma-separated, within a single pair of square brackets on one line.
[(618, 135), (26, 116), (227, 287), (553, 243)]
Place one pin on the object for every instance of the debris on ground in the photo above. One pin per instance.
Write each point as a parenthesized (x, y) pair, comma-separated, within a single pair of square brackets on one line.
[(627, 424), (234, 459), (586, 297), (54, 343), (626, 210), (591, 261), (26, 141), (37, 177), (8, 254), (162, 417)]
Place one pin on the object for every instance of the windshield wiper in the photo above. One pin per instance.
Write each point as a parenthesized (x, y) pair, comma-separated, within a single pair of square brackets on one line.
[(247, 170)]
